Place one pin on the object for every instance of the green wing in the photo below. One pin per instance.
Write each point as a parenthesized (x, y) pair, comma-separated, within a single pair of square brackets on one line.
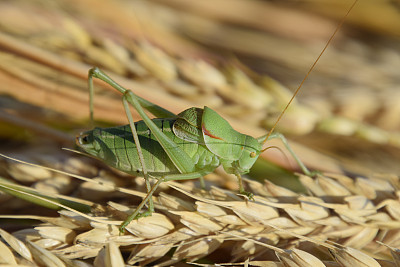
[(188, 125)]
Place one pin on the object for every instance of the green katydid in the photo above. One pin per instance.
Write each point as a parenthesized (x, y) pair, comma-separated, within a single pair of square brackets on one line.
[(171, 147)]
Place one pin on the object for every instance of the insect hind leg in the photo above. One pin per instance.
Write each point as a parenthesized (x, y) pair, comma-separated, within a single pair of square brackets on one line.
[(136, 214), (139, 151), (174, 177), (97, 73)]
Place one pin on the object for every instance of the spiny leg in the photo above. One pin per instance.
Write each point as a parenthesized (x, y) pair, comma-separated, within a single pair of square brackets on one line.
[(202, 183), (178, 156), (140, 154), (97, 73), (241, 188), (288, 147), (135, 215), (154, 109)]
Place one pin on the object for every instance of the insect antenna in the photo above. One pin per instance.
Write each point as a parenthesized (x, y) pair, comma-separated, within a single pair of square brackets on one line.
[(308, 73)]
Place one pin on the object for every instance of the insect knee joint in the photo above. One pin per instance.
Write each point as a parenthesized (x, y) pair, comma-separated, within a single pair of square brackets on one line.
[(93, 72)]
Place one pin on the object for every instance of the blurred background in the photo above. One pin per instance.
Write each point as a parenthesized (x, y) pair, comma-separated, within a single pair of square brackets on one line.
[(242, 58)]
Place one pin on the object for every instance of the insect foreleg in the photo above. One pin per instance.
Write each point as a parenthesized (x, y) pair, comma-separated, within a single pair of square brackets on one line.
[(288, 147)]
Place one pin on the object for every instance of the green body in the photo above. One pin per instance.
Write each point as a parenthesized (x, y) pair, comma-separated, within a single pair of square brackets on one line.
[(116, 147), (200, 141)]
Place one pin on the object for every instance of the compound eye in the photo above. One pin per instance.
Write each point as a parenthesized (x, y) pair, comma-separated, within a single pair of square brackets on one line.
[(253, 154), (83, 139)]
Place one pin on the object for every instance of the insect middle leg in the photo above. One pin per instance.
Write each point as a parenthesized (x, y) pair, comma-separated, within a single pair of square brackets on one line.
[(184, 176), (140, 154)]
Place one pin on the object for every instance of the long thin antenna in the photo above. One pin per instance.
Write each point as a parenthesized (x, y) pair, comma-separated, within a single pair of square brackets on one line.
[(308, 73)]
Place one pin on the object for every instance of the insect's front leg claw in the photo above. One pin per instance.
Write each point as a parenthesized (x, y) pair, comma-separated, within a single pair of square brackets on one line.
[(122, 229), (313, 174)]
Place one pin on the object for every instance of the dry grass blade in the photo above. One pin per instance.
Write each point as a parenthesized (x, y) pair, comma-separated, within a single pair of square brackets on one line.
[(6, 256), (43, 257), (351, 257), (110, 255), (299, 258), (16, 245)]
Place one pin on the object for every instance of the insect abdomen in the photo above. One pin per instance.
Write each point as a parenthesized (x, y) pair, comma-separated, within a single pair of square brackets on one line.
[(122, 154)]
